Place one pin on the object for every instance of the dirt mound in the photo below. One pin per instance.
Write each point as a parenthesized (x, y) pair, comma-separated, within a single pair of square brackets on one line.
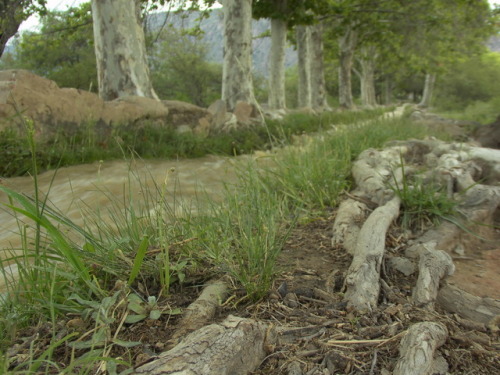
[(489, 135), (52, 108), (457, 129)]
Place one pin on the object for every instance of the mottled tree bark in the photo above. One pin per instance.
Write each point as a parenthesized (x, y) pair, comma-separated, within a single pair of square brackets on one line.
[(430, 79), (387, 91), (235, 346), (120, 49), (347, 46), (318, 86), (304, 65), (277, 62), (418, 349), (367, 76), (10, 18), (237, 83)]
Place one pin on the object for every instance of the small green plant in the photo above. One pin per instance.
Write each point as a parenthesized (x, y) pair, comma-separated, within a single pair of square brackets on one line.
[(423, 202), (146, 309)]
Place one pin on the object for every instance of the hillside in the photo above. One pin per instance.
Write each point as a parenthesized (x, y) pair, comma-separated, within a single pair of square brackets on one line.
[(213, 28)]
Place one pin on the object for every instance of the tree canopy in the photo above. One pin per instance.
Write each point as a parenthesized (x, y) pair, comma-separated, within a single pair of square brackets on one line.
[(13, 13)]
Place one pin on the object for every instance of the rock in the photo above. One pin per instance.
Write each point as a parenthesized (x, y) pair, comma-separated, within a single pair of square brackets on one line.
[(403, 265), (184, 129), (203, 127), (218, 111), (244, 112), (181, 113), (275, 114)]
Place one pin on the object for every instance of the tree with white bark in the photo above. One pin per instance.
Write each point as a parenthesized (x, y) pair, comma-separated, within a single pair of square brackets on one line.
[(237, 82), (301, 15), (120, 49), (277, 11), (423, 34), (303, 37)]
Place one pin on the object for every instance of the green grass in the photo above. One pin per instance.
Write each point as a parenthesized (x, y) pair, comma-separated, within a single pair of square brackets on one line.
[(424, 202), (98, 271), (314, 174), (89, 143), (479, 111)]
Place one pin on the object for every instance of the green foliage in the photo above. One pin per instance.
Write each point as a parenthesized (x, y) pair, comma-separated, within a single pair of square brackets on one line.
[(424, 203), (469, 81), (15, 158), (179, 69), (314, 172), (62, 51), (13, 13)]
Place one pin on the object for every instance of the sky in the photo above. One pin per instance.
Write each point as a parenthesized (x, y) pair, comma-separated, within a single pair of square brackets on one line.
[(32, 22)]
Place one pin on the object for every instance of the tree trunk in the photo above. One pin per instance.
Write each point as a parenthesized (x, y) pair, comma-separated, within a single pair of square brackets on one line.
[(120, 50), (367, 76), (237, 83), (387, 93), (347, 46), (10, 19), (430, 79), (304, 65), (317, 75), (277, 64)]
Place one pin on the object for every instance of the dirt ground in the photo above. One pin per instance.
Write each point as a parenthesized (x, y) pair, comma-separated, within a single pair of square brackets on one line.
[(321, 337)]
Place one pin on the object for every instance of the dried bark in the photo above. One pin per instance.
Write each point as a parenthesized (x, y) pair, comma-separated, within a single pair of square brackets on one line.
[(236, 346), (478, 309), (418, 347), (201, 311), (372, 172), (350, 216), (434, 265), (362, 281)]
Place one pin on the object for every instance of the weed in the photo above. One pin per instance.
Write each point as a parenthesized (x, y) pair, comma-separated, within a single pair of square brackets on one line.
[(423, 202)]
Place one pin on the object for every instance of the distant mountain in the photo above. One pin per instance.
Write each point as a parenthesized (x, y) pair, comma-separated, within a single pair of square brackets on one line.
[(494, 43), (213, 28)]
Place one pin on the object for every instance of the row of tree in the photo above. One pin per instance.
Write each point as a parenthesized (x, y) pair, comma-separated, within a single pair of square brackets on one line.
[(372, 38)]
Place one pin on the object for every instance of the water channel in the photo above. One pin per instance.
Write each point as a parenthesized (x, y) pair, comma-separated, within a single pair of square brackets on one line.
[(77, 189)]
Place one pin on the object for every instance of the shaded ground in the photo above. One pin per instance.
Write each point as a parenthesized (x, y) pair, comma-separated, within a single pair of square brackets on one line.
[(320, 335)]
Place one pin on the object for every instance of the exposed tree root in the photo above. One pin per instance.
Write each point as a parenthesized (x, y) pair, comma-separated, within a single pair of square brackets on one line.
[(363, 276), (455, 300), (235, 346), (418, 349), (201, 311)]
